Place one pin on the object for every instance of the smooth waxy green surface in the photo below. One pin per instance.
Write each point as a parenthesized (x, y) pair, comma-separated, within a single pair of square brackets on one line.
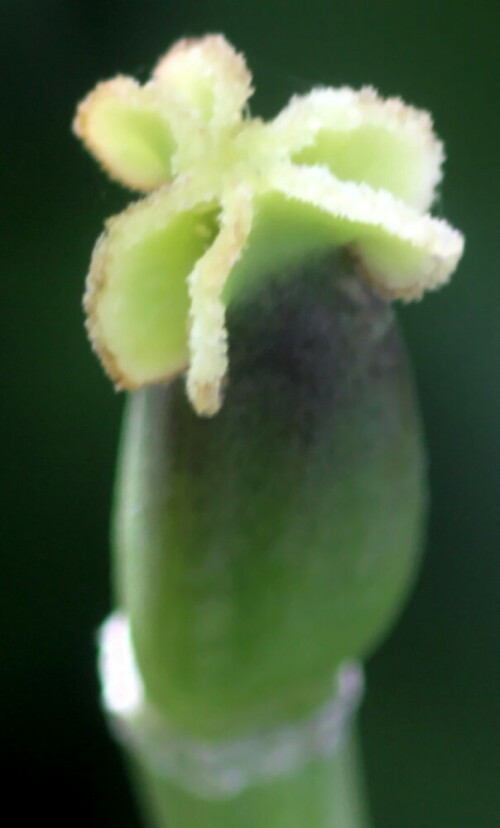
[(257, 550)]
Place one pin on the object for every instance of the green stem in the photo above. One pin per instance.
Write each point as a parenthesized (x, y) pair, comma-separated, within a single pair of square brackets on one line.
[(327, 793)]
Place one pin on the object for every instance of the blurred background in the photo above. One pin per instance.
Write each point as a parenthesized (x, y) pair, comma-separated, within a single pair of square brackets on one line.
[(431, 716)]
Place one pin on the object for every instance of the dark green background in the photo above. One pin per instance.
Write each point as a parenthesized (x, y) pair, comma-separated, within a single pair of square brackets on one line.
[(431, 745)]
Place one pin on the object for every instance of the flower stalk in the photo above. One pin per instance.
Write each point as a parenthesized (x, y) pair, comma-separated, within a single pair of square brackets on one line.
[(327, 792), (267, 524)]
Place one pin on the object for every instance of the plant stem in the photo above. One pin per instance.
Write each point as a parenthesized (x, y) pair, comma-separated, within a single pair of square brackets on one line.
[(327, 793)]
